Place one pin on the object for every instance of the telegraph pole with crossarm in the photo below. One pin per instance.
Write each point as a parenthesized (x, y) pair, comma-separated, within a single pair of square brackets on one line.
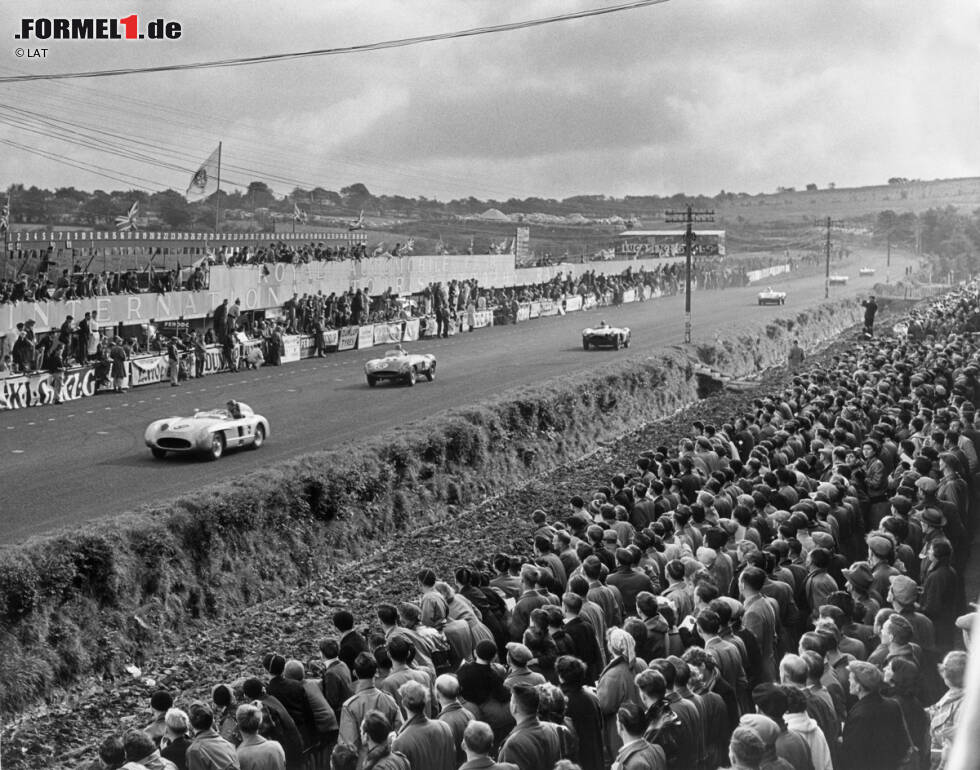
[(689, 216), (826, 287)]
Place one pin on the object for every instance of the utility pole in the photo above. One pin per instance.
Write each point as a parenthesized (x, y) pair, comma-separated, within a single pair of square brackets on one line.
[(888, 257), (826, 287), (689, 217)]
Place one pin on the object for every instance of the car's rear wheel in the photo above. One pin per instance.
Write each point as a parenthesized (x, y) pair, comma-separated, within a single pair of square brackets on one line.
[(372, 381), (259, 437), (217, 447), (585, 344), (411, 378), (158, 453), (430, 374)]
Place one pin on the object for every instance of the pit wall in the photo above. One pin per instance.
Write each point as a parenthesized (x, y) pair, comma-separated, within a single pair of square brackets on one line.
[(92, 600)]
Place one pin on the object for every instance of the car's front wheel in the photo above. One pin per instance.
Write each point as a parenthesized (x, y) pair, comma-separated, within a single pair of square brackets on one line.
[(626, 342), (158, 453), (616, 343), (259, 439), (430, 374), (585, 344), (217, 447), (372, 381), (411, 378)]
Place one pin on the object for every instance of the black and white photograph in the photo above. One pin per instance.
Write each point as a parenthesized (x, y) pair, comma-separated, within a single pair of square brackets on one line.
[(557, 385)]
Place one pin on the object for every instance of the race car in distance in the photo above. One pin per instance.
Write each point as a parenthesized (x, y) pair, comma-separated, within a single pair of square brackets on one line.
[(399, 364), (864, 272), (606, 336), (209, 432), (838, 280), (772, 297)]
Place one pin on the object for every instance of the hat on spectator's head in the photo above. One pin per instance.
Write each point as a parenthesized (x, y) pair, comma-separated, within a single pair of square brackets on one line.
[(610, 536), (868, 675), (898, 621), (730, 526), (486, 650), (273, 663), (965, 622), (880, 545), (824, 540), (933, 517), (161, 700), (519, 653), (926, 485), (859, 575), (409, 613), (904, 590), (767, 729)]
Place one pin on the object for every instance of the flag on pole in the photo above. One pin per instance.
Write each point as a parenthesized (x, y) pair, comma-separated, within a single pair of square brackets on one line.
[(5, 216), (205, 179), (298, 214), (127, 223), (357, 224)]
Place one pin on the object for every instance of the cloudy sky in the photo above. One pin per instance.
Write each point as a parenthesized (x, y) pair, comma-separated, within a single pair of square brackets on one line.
[(689, 96)]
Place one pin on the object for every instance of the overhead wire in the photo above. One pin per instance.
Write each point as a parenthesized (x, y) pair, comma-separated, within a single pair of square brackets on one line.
[(363, 48)]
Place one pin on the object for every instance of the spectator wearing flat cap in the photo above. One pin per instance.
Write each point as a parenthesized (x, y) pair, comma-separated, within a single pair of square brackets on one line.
[(881, 559), (208, 750), (874, 736), (903, 593), (141, 752), (518, 657)]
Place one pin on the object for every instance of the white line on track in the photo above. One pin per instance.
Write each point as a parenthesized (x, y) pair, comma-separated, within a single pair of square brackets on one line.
[(17, 451)]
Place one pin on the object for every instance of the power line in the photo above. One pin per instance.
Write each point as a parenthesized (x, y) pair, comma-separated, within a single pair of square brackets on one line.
[(363, 48)]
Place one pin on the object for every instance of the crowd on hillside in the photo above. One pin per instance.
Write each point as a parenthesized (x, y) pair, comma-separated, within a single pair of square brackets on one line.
[(783, 591)]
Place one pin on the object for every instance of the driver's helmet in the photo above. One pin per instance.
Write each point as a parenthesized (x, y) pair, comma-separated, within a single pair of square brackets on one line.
[(603, 324)]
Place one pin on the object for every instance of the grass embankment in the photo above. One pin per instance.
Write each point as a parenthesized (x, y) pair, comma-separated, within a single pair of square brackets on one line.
[(92, 600)]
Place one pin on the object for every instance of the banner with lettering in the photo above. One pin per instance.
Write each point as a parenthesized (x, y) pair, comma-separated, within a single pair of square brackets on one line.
[(482, 318), (387, 333), (629, 295), (290, 347), (365, 337), (348, 338), (548, 308), (331, 337), (146, 370), (411, 332), (573, 303), (534, 310), (523, 312), (39, 389)]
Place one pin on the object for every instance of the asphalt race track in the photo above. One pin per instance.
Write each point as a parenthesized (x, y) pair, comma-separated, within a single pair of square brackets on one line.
[(72, 462)]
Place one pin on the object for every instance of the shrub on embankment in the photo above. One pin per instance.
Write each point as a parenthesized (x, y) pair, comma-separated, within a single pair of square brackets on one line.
[(92, 600)]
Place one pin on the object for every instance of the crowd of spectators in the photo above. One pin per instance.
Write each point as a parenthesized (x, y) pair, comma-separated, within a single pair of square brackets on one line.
[(784, 590)]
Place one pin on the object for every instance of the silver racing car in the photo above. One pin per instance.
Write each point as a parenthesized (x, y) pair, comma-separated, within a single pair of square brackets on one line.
[(606, 336), (401, 366), (209, 432)]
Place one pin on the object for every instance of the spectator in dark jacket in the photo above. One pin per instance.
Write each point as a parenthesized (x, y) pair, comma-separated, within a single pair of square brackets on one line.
[(874, 732)]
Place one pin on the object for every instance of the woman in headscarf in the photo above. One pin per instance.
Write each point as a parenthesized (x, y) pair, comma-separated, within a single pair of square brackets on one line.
[(616, 685), (463, 616)]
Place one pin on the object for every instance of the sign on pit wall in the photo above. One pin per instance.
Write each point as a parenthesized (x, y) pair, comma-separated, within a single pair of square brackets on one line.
[(387, 333), (365, 337), (38, 389), (290, 348), (348, 338), (411, 332)]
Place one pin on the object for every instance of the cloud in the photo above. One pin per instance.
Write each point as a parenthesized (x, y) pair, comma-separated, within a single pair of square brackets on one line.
[(684, 96)]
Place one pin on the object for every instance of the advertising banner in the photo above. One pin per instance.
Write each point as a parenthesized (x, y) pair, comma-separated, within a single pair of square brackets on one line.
[(39, 389), (387, 333), (146, 370), (573, 303), (331, 338), (523, 312), (411, 330), (348, 338), (548, 308), (290, 348), (629, 295), (365, 337), (534, 310), (213, 360), (482, 318)]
